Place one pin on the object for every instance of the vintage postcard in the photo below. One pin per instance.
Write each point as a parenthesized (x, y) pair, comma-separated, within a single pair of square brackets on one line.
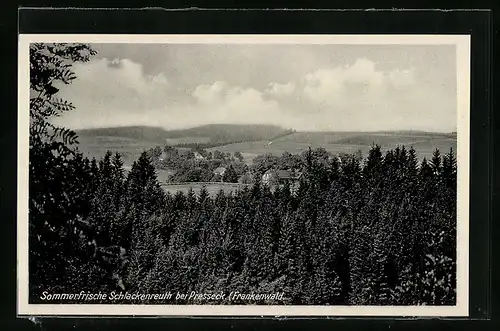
[(243, 175)]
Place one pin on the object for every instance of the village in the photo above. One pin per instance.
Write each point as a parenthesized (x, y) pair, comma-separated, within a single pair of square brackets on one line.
[(196, 167)]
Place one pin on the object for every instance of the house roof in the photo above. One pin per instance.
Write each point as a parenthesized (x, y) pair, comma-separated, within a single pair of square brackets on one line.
[(220, 169), (284, 174), (198, 155)]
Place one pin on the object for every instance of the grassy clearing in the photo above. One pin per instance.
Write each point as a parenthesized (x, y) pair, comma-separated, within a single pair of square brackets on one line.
[(334, 142), (342, 142), (212, 189), (187, 140), (130, 149)]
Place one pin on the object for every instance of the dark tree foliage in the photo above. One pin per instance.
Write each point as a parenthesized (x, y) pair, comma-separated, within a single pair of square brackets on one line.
[(230, 175), (373, 231), (346, 237), (61, 182)]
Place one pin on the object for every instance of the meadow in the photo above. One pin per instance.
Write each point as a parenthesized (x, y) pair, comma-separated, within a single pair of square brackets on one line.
[(343, 142), (129, 148), (96, 146), (187, 140), (212, 188), (162, 174), (130, 142)]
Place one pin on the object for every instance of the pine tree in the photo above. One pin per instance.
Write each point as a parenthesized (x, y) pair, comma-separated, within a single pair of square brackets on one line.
[(292, 265), (350, 170), (230, 175), (436, 162), (348, 236), (412, 162), (425, 170), (449, 169), (373, 161), (146, 246)]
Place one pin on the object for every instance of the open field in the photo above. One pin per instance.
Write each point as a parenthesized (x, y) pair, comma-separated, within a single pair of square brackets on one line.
[(172, 188), (187, 140), (161, 174), (212, 188), (335, 142), (129, 148), (343, 142), (146, 136)]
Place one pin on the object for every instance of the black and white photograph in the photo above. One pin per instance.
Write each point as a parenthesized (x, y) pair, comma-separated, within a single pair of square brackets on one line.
[(243, 175)]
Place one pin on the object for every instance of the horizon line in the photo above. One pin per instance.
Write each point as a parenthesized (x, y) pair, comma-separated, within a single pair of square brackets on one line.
[(258, 124)]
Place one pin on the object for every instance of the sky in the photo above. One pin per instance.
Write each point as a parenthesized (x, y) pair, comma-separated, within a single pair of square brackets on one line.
[(304, 87)]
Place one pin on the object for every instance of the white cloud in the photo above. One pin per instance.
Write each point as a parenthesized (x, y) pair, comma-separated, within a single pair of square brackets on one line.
[(359, 96), (335, 86), (120, 85), (119, 74), (402, 78), (209, 94), (220, 103), (276, 89), (159, 79)]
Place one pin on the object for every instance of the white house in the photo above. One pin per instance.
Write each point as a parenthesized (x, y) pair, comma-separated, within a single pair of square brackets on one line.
[(198, 156), (282, 176), (266, 177), (220, 171)]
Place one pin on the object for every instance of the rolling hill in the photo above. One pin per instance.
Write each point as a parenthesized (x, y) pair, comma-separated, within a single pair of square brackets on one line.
[(220, 133), (252, 140), (346, 142), (139, 133), (132, 140), (215, 133)]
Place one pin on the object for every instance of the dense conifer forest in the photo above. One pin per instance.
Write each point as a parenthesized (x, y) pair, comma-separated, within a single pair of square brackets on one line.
[(378, 230)]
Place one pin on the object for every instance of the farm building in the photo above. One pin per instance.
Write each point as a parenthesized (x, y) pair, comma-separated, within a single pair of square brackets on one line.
[(285, 175), (220, 171), (198, 156), (280, 177)]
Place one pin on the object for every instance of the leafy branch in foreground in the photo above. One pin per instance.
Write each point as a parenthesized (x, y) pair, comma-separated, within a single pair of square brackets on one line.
[(50, 66)]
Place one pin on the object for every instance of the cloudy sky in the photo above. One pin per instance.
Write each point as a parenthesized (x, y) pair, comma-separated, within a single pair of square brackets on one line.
[(305, 87)]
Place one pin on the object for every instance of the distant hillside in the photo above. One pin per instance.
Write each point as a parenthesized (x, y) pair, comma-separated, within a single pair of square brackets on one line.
[(220, 133), (132, 140), (212, 133), (140, 133), (252, 140), (417, 133), (365, 138), (346, 142)]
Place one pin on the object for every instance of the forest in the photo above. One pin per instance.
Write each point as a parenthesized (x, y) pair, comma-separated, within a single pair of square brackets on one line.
[(378, 230)]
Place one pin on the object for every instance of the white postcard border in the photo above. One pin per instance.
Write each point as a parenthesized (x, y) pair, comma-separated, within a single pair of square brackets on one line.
[(461, 309)]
